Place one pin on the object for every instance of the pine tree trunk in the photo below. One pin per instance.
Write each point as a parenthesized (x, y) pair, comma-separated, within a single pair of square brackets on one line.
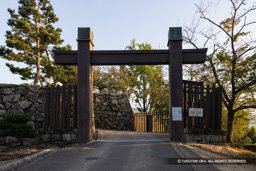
[(37, 76)]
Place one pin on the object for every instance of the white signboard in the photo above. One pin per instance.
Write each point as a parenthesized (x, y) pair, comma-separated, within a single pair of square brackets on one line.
[(176, 114), (196, 112)]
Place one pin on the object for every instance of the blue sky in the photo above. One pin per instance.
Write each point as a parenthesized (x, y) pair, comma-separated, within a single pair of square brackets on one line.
[(114, 22)]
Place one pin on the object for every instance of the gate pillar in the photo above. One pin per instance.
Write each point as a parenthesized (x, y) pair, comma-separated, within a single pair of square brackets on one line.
[(175, 83), (84, 86)]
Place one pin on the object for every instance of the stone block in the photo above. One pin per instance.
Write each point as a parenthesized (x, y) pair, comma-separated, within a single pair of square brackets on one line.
[(206, 139), (66, 137), (2, 107), (41, 93), (123, 101), (97, 100), (34, 88), (197, 137), (222, 138), (56, 136), (115, 109), (114, 101), (24, 104), (32, 123), (31, 111), (15, 108), (20, 90), (38, 116), (214, 138), (32, 96), (7, 91), (8, 105), (73, 137), (46, 137), (35, 105), (41, 108), (123, 105), (33, 118), (10, 140), (11, 98), (2, 112), (41, 100)]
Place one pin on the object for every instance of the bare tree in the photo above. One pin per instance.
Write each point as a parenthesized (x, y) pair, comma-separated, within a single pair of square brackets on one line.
[(232, 63)]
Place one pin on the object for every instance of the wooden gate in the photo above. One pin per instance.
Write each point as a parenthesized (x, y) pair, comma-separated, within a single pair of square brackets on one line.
[(151, 121), (60, 107), (195, 95)]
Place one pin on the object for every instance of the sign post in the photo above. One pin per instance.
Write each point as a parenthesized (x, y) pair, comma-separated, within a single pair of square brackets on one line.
[(175, 83)]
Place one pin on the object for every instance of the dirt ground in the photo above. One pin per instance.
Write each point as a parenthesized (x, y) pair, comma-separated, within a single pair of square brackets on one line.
[(18, 151)]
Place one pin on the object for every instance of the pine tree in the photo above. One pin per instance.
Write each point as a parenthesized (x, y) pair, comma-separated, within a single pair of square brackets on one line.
[(30, 38), (17, 125)]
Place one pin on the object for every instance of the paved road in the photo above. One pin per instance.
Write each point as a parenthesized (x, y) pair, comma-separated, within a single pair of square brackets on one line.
[(117, 151)]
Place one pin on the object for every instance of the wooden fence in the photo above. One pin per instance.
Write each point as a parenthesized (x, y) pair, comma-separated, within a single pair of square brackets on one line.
[(61, 110), (151, 121), (195, 95), (60, 107)]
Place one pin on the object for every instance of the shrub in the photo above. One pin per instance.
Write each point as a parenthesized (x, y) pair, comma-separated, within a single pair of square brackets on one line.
[(253, 140), (16, 125), (245, 140)]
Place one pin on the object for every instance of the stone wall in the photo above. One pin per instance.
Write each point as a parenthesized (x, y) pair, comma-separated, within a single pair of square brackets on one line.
[(23, 99), (213, 137), (59, 137), (112, 111)]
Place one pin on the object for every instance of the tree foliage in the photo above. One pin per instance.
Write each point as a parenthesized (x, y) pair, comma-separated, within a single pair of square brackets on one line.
[(31, 36), (148, 83), (230, 64), (144, 84)]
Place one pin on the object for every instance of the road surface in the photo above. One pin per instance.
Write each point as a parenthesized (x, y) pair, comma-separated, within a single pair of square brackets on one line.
[(118, 151)]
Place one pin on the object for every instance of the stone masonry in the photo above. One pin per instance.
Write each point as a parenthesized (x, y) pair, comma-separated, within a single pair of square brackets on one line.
[(111, 111), (23, 99)]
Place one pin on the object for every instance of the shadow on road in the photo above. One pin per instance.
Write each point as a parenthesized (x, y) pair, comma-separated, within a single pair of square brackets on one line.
[(110, 135)]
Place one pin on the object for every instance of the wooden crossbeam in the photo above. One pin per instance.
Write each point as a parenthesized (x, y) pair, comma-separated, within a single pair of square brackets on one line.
[(127, 57)]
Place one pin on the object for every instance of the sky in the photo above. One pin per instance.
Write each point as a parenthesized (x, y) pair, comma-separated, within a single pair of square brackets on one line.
[(114, 23)]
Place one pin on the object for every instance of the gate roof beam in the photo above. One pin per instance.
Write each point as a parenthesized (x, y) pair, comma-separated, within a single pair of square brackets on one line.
[(128, 57)]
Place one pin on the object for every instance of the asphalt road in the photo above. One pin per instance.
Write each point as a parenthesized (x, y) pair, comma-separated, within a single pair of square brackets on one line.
[(118, 151)]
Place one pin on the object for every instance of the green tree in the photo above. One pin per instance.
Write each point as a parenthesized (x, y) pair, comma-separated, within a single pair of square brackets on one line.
[(147, 83), (143, 84), (31, 36), (231, 64), (249, 137), (66, 74), (241, 122), (16, 125), (101, 79)]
